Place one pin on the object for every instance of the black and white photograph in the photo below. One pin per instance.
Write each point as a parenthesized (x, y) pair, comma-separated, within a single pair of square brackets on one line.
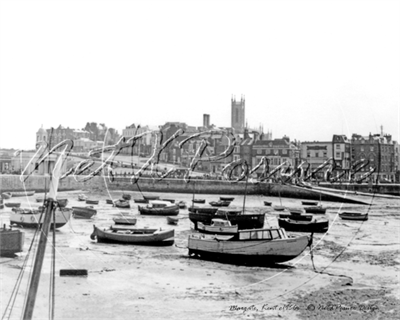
[(226, 159)]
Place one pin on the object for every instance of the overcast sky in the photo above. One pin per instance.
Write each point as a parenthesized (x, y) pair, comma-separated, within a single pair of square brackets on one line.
[(308, 69)]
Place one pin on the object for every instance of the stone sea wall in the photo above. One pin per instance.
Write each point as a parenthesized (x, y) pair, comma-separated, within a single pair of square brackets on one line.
[(41, 183)]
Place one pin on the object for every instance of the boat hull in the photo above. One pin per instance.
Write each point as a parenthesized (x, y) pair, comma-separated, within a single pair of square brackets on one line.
[(31, 220), (152, 238), (166, 211), (126, 221), (83, 213), (243, 221), (353, 216), (315, 210), (260, 251), (304, 226), (22, 194)]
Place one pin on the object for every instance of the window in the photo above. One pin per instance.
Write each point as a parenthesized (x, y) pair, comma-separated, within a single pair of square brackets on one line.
[(362, 149), (337, 154), (338, 146), (267, 235), (275, 234), (371, 148), (308, 154), (259, 151), (325, 154), (316, 154)]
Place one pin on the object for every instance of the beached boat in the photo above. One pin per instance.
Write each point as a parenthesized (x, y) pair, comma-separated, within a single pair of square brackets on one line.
[(11, 241), (279, 208), (6, 195), (315, 209), (267, 203), (122, 204), (62, 203), (110, 201), (40, 200), (349, 215), (12, 204), (208, 209), (304, 216), (227, 198), (83, 212), (30, 218), (91, 201), (182, 205), (236, 217), (218, 226), (314, 225), (172, 220), (22, 194), (1, 206), (160, 208), (309, 203), (199, 200), (219, 203), (82, 197), (140, 201), (151, 198), (129, 235), (126, 196), (125, 220), (264, 246)]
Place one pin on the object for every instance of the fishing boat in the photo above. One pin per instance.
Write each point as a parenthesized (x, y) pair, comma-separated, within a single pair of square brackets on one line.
[(205, 209), (309, 203), (129, 235), (199, 200), (62, 203), (11, 241), (151, 198), (82, 197), (125, 220), (267, 203), (219, 203), (242, 219), (122, 204), (160, 208), (279, 208), (264, 246), (314, 225), (218, 226), (22, 193), (172, 220), (182, 205), (6, 195), (110, 201), (91, 201), (29, 218), (83, 212), (306, 217), (315, 209), (349, 215), (227, 198), (295, 211), (12, 204), (140, 201), (126, 196)]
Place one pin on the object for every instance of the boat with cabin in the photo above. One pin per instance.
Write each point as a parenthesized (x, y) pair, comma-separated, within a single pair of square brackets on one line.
[(264, 246), (218, 226)]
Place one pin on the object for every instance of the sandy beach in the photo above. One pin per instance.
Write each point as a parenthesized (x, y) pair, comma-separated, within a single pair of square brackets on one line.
[(351, 273)]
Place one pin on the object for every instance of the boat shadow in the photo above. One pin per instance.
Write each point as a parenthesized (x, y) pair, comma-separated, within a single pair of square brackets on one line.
[(238, 262)]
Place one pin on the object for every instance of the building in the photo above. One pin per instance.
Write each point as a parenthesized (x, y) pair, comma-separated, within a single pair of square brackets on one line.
[(379, 151), (341, 153), (238, 114), (316, 153)]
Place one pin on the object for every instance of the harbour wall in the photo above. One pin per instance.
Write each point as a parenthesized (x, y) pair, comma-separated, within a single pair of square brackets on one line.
[(382, 188), (196, 186)]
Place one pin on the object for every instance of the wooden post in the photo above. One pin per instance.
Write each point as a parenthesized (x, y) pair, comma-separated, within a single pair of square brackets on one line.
[(37, 268)]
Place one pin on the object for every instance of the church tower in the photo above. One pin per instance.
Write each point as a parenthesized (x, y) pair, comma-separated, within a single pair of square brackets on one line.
[(238, 114)]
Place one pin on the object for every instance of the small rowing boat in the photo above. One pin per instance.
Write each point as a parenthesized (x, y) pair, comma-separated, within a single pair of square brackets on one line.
[(83, 212), (125, 220), (130, 235), (349, 215), (91, 201), (172, 220), (22, 194)]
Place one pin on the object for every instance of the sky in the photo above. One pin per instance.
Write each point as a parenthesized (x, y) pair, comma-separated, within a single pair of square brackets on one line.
[(307, 69)]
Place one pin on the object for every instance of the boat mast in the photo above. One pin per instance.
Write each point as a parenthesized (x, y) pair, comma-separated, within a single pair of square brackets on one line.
[(35, 278), (37, 268)]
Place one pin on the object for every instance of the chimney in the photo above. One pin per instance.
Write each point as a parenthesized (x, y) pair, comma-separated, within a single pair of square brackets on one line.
[(206, 120)]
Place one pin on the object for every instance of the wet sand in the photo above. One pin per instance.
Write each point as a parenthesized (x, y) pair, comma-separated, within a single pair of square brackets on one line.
[(353, 272)]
